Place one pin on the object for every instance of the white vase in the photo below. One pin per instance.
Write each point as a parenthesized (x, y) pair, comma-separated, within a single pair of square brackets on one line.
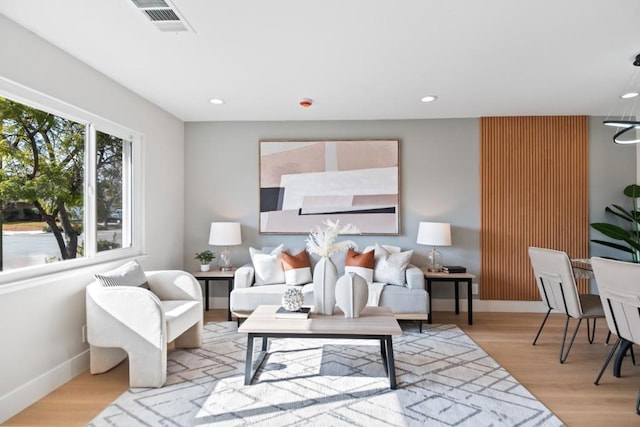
[(325, 275), (204, 267), (352, 294)]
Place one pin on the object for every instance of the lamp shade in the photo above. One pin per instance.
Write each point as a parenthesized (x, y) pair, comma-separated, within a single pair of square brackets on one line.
[(225, 234), (434, 234)]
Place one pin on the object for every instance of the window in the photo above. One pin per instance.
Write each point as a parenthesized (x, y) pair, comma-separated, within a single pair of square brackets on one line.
[(66, 187)]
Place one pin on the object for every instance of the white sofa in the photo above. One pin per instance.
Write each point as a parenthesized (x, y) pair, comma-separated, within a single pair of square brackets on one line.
[(139, 323), (409, 301)]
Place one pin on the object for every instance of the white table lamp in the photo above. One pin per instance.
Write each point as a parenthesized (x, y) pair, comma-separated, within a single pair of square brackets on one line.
[(225, 234), (434, 234)]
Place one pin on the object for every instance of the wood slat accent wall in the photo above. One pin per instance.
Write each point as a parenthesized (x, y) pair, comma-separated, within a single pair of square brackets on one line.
[(534, 192)]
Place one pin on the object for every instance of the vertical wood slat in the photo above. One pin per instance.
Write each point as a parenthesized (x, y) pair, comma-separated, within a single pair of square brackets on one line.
[(534, 192)]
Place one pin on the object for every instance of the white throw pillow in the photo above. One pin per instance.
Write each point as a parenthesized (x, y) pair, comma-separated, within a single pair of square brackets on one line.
[(391, 267), (129, 274), (268, 266)]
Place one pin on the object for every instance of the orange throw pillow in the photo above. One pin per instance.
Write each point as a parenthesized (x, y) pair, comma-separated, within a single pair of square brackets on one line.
[(360, 263), (297, 268)]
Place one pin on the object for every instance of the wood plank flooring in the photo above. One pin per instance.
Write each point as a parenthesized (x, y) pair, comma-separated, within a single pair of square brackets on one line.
[(567, 389)]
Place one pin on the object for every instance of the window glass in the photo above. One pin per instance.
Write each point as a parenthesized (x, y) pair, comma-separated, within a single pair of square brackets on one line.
[(65, 187), (111, 197), (41, 186)]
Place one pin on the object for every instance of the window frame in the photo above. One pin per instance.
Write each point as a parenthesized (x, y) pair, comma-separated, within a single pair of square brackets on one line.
[(133, 174)]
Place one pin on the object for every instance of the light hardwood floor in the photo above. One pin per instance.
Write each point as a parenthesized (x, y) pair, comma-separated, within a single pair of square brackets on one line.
[(567, 389)]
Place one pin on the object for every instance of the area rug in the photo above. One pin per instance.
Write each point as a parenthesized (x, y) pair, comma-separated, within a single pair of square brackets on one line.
[(444, 379)]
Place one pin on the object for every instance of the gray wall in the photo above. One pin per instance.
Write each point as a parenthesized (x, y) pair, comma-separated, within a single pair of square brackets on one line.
[(611, 168), (439, 181)]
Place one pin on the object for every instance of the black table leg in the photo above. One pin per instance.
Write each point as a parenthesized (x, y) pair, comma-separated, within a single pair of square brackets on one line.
[(252, 367), (230, 288), (457, 295), (206, 294), (391, 364), (470, 302), (430, 319), (383, 351)]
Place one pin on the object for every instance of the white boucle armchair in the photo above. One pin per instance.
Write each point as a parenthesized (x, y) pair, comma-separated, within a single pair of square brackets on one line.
[(139, 323)]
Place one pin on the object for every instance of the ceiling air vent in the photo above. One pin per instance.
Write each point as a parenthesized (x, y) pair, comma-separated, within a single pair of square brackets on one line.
[(163, 15)]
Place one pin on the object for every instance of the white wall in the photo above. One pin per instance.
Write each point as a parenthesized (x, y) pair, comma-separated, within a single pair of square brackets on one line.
[(41, 320)]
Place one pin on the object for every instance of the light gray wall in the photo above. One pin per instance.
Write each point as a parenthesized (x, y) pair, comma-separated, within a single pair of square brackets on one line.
[(439, 181), (41, 320), (611, 168)]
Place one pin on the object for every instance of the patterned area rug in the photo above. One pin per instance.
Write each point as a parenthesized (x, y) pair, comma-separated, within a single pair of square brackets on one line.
[(444, 379)]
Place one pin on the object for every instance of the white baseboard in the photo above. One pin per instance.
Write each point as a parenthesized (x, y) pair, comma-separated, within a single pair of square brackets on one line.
[(29, 393), (491, 306)]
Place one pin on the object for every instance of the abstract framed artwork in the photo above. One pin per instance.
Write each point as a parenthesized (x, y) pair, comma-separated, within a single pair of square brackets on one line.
[(303, 183)]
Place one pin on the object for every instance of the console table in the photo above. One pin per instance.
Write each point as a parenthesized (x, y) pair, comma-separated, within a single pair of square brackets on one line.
[(218, 275), (456, 279)]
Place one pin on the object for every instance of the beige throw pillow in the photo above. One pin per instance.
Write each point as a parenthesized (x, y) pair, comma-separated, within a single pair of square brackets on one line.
[(129, 274), (390, 267)]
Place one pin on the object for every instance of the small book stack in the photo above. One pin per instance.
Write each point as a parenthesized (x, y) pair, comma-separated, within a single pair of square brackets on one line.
[(454, 269), (283, 313)]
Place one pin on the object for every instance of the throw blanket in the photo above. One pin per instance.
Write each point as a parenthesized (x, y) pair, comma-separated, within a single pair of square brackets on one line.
[(375, 290)]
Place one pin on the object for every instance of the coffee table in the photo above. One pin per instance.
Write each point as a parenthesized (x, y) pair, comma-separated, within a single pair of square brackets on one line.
[(374, 323)]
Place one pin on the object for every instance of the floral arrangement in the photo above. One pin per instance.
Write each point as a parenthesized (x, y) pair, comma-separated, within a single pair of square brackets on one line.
[(322, 242)]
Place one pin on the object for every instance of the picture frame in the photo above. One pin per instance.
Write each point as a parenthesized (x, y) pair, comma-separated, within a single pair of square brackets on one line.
[(305, 182)]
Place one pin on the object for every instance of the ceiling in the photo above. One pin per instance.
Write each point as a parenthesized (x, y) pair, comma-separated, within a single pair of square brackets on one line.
[(356, 59)]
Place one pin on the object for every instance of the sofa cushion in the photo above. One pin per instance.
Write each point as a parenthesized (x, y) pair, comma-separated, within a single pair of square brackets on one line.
[(390, 267), (180, 315), (248, 299), (360, 263), (129, 274), (268, 266), (297, 268)]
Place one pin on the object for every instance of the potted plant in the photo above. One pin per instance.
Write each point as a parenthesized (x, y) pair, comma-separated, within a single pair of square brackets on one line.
[(205, 258), (629, 233)]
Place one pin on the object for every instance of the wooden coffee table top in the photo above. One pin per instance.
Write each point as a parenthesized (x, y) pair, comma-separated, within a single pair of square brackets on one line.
[(372, 320)]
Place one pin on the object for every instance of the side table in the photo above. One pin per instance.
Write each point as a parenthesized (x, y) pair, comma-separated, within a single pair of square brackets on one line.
[(218, 275), (455, 278)]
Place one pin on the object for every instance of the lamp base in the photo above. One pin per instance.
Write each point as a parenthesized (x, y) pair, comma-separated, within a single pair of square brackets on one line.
[(434, 261), (225, 259)]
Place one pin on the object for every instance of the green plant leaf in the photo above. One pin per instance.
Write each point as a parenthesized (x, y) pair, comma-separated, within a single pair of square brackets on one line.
[(613, 245), (632, 191), (621, 212), (611, 230)]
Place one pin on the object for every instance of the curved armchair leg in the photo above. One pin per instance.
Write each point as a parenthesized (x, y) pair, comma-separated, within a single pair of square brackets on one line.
[(606, 362), (148, 368), (101, 359), (564, 356), (191, 338), (541, 326), (638, 404)]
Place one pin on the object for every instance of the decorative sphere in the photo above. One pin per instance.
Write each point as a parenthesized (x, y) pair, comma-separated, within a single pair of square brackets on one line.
[(292, 299)]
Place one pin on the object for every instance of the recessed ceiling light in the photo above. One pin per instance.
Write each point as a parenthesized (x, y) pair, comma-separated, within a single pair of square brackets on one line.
[(216, 101), (429, 98), (629, 95)]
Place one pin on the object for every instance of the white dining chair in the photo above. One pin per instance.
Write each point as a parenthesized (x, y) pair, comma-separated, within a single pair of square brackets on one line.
[(618, 283), (557, 286)]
